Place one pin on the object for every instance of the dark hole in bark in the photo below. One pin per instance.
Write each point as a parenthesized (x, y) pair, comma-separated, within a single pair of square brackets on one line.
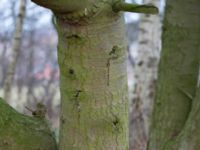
[(140, 63), (115, 122), (71, 71), (116, 125), (113, 50), (77, 93)]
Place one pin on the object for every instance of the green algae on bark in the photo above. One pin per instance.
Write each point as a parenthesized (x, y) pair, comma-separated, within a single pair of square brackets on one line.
[(178, 75), (20, 132)]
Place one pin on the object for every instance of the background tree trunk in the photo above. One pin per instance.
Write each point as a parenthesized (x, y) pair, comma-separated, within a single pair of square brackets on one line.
[(145, 76), (16, 50), (176, 109)]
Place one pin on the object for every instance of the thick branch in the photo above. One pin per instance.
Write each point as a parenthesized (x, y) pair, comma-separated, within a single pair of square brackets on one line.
[(64, 6), (20, 132), (122, 6)]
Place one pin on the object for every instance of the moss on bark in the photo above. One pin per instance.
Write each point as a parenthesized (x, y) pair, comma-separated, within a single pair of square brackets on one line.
[(20, 132), (178, 74)]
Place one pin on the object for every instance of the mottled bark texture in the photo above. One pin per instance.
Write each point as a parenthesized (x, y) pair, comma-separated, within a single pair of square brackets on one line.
[(92, 59), (20, 132), (175, 124), (16, 50), (93, 81), (145, 76)]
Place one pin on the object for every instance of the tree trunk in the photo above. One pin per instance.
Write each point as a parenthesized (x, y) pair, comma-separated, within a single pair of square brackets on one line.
[(145, 76), (94, 111), (16, 50), (92, 60), (175, 122)]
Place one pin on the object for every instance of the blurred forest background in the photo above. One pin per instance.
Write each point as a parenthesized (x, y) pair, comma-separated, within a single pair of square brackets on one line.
[(36, 75)]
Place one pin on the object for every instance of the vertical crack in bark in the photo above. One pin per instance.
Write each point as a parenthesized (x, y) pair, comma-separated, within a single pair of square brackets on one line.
[(116, 124), (108, 71), (113, 55), (115, 121), (77, 103)]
